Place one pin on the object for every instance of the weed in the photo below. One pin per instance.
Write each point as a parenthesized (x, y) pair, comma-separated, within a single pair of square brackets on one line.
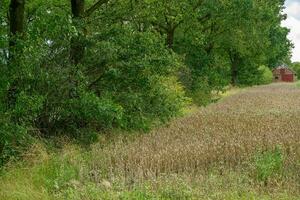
[(269, 164)]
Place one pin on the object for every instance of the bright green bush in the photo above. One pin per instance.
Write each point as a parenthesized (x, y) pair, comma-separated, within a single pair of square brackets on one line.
[(266, 75), (269, 164)]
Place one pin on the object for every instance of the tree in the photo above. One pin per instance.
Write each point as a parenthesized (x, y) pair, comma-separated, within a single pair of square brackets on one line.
[(166, 16), (16, 22), (77, 45), (77, 49), (250, 39), (296, 67)]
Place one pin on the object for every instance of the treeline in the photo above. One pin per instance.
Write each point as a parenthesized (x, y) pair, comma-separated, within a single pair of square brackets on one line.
[(81, 66)]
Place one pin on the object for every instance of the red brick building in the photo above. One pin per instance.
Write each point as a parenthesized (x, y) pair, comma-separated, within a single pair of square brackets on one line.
[(284, 74)]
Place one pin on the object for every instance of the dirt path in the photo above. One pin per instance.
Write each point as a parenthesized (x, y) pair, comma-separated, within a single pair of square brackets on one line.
[(227, 133)]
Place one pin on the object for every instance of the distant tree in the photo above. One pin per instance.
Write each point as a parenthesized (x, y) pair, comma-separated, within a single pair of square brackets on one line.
[(296, 67)]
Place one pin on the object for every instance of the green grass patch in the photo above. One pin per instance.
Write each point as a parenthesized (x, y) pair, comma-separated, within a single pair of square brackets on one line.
[(68, 175)]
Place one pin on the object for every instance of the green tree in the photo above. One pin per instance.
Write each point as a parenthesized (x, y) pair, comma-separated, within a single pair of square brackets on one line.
[(296, 67)]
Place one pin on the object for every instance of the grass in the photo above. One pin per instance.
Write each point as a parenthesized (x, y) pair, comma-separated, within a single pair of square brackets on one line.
[(243, 147), (50, 179)]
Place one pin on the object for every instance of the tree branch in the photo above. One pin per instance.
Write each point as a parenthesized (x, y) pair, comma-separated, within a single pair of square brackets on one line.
[(94, 7)]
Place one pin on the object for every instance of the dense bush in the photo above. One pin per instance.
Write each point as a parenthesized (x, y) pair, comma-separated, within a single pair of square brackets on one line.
[(201, 92), (269, 164), (127, 81), (251, 75), (266, 75)]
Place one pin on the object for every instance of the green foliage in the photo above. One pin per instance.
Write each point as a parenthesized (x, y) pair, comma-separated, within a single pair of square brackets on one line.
[(296, 67), (201, 92), (149, 89), (254, 76), (27, 108), (269, 164), (137, 63), (90, 109), (13, 138), (267, 75), (55, 174)]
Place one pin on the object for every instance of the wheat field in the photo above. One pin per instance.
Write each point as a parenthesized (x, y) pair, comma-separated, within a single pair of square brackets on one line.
[(225, 134)]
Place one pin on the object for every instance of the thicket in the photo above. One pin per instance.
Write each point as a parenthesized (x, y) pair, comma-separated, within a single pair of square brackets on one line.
[(81, 67)]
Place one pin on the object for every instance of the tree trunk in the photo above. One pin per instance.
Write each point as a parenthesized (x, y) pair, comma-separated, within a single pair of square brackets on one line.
[(16, 22), (170, 38), (234, 69), (77, 42), (234, 74), (16, 31), (77, 8)]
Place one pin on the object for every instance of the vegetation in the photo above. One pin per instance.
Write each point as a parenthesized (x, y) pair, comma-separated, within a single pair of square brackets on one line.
[(229, 150), (296, 67), (266, 75), (82, 67), (78, 71)]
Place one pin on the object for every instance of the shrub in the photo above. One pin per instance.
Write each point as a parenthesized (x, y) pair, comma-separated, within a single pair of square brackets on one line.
[(13, 138), (268, 164), (266, 75), (201, 92), (251, 75), (89, 109)]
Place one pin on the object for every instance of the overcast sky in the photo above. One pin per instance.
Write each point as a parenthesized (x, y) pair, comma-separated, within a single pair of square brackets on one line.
[(293, 22)]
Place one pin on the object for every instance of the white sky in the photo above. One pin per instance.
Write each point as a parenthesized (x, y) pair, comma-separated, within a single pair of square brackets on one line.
[(293, 23)]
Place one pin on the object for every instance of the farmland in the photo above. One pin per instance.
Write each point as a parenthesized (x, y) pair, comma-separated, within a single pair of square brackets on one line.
[(246, 146)]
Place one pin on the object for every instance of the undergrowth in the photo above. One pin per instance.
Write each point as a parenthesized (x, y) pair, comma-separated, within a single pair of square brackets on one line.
[(68, 175)]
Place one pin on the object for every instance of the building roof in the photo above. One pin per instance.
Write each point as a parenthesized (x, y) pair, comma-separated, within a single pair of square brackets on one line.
[(284, 67)]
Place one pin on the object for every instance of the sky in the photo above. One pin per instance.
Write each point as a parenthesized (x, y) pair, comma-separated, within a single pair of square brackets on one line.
[(293, 22)]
